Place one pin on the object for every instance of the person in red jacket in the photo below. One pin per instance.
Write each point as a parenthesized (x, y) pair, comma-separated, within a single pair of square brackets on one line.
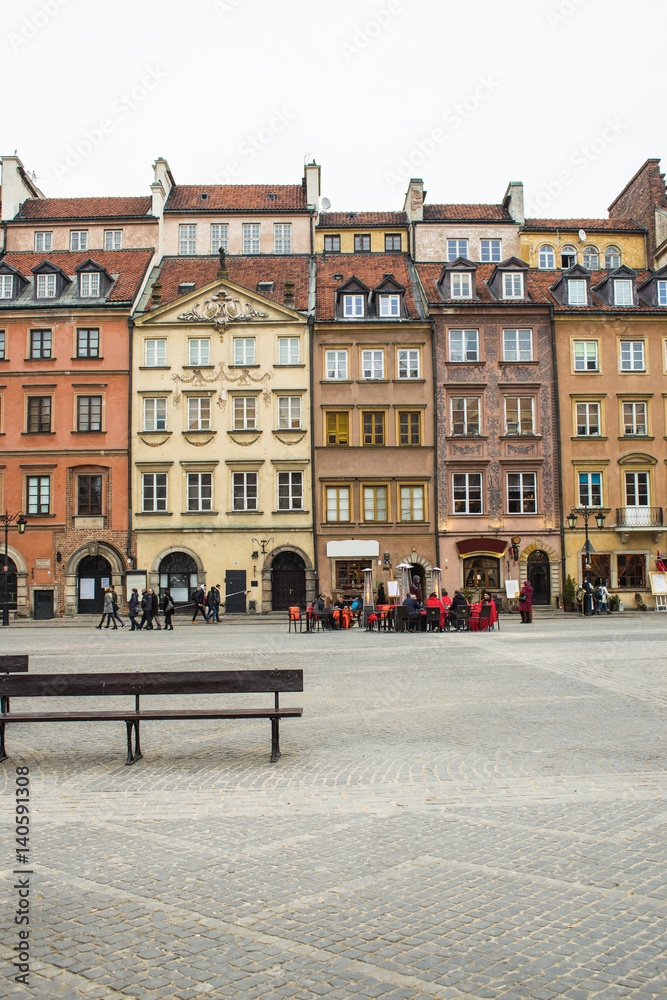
[(526, 604)]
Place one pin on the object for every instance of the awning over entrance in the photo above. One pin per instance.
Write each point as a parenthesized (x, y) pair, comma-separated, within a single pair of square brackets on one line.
[(494, 547), (362, 548)]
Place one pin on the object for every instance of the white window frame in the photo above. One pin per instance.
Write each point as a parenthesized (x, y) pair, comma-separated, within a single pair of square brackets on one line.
[(289, 350), (332, 497), (632, 356), (512, 285), (408, 363), (390, 306), (3, 349), (89, 285), (577, 292), (591, 258), (519, 483), (199, 352), (282, 237), (457, 248), (546, 258), (372, 364), (199, 413), (586, 358), (244, 350), (155, 413), (200, 490), (460, 285), (522, 403), (155, 353), (463, 344), (46, 286), (518, 345), (623, 292), (245, 491), (6, 286), (244, 413), (612, 258), (78, 239), (587, 416), (568, 251), (219, 236), (637, 419), (354, 306), (43, 242), (469, 483), (251, 237), (113, 239), (289, 413), (587, 484), (38, 495), (490, 250), (661, 292), (470, 412), (335, 366), (154, 492), (187, 239), (290, 490)]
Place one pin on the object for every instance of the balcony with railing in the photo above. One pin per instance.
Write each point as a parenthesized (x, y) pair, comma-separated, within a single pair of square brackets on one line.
[(639, 519)]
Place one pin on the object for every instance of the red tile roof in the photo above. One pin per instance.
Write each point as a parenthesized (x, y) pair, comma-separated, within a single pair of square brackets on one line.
[(46, 209), (237, 198), (466, 213), (371, 269), (592, 225), (245, 271), (356, 220), (127, 267)]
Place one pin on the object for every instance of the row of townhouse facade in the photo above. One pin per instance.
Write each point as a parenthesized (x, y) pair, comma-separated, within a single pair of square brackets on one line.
[(226, 385)]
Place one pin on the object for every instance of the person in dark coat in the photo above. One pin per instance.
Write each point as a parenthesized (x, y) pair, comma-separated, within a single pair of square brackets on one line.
[(199, 599), (212, 605), (381, 594), (146, 616), (168, 610), (416, 589), (458, 601), (155, 607), (116, 616), (414, 610), (134, 609), (526, 603)]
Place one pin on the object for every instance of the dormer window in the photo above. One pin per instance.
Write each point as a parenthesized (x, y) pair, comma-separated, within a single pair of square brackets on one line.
[(46, 286), (661, 293), (513, 285), (265, 287), (185, 287), (461, 286), (89, 285), (623, 292), (576, 292), (546, 258), (353, 306), (568, 256), (6, 286), (390, 306)]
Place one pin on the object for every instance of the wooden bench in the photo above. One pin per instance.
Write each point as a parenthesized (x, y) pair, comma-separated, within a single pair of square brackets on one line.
[(176, 682)]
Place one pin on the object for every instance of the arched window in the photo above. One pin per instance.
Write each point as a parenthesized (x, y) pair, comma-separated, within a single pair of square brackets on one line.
[(612, 258), (591, 258), (568, 256), (547, 258), (178, 573)]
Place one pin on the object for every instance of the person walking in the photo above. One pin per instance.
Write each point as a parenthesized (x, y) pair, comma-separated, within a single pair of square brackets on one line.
[(116, 616), (526, 604), (199, 598), (146, 616), (168, 610), (134, 609), (107, 609), (210, 606), (155, 607), (218, 602)]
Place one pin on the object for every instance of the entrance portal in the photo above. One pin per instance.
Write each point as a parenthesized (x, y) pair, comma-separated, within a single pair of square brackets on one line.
[(178, 574), (539, 576), (288, 581), (93, 575)]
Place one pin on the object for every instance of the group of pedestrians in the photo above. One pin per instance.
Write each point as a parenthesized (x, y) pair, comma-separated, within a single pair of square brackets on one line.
[(207, 604), (149, 606)]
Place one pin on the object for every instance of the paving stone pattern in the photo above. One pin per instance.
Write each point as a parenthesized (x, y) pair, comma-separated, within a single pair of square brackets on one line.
[(455, 816)]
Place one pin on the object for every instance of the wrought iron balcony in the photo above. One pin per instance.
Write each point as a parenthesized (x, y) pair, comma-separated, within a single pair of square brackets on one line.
[(639, 517)]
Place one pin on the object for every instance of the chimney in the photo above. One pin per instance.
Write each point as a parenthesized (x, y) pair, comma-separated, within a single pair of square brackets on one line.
[(156, 293), (311, 176), (513, 201), (414, 200), (17, 187), (288, 296)]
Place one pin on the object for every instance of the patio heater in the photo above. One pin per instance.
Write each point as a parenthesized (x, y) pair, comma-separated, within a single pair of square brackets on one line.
[(403, 578), (369, 604), (435, 577)]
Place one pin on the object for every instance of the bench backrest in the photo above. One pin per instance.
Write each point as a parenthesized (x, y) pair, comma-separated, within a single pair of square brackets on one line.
[(162, 682)]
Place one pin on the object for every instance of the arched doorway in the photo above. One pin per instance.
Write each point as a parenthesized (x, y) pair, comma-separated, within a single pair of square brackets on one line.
[(12, 582), (288, 581), (93, 575), (539, 576), (178, 572), (417, 570)]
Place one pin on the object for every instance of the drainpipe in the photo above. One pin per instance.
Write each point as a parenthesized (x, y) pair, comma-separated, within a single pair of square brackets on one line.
[(559, 468), (436, 490), (130, 329), (313, 480)]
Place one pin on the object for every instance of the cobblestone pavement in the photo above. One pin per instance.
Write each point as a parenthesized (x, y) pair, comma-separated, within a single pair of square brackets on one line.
[(455, 816)]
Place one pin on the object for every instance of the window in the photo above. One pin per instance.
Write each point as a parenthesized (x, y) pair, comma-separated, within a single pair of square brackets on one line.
[(6, 286), (517, 345), (89, 413), (457, 248), (465, 415), (199, 352), (612, 258), (661, 293), (576, 292), (350, 575), (373, 423), (39, 414), (156, 353), (585, 356), (244, 350), (155, 414), (200, 491), (362, 242), (288, 350), (251, 237), (632, 356), (463, 345), (43, 242), (219, 236), (89, 495), (631, 570), (521, 493), (38, 494), (634, 419), (490, 250), (375, 503), (245, 413), (199, 413), (88, 343), (336, 365), (408, 363), (3, 354), (154, 491), (623, 292), (467, 487), (353, 306), (40, 343), (460, 286), (372, 364), (289, 412), (546, 258), (482, 572), (409, 428), (46, 286), (282, 237), (590, 489), (412, 503), (245, 491), (113, 239), (390, 305), (588, 419), (392, 241), (338, 428), (78, 239), (519, 415), (636, 489), (332, 244), (591, 258), (568, 257), (290, 491), (89, 285), (513, 285), (187, 240), (338, 503)]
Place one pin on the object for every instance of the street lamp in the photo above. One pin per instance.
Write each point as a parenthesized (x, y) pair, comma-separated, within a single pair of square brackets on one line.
[(586, 513), (21, 523)]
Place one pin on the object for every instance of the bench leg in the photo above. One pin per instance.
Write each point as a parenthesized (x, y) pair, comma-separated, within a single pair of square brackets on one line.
[(275, 740), (3, 753), (132, 754)]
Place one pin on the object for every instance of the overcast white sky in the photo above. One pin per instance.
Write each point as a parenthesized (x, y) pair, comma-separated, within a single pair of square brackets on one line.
[(564, 95)]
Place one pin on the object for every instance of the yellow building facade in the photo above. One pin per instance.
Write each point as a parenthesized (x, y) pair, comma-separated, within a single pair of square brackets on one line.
[(558, 244)]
